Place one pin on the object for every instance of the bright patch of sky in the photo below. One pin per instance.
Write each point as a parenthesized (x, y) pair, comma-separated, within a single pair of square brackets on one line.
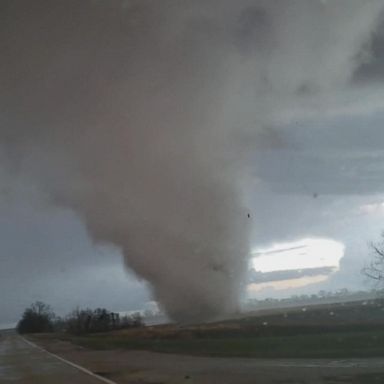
[(253, 290), (301, 254)]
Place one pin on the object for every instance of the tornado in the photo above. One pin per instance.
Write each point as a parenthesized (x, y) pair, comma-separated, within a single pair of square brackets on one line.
[(141, 116)]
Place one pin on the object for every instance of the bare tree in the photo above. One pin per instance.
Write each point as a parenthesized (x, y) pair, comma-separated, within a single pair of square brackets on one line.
[(375, 268), (37, 318)]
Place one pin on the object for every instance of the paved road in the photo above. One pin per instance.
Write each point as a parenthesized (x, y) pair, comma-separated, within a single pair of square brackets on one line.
[(144, 367), (20, 362)]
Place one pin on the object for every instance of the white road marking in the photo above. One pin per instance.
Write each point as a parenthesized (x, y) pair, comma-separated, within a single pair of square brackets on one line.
[(80, 368)]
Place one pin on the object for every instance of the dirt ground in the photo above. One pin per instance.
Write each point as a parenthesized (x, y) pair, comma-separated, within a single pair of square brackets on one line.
[(142, 367)]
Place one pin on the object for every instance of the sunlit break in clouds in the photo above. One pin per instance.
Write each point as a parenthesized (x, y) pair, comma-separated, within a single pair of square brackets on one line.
[(296, 264), (306, 253)]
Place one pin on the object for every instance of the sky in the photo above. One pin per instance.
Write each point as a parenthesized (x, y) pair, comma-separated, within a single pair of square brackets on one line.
[(157, 151)]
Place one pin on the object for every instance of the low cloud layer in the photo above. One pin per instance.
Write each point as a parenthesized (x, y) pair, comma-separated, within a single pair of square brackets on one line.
[(156, 122)]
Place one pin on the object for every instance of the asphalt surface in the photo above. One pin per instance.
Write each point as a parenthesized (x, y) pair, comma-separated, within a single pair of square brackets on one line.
[(21, 362)]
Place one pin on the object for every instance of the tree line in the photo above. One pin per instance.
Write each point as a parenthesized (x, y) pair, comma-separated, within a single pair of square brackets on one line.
[(39, 318)]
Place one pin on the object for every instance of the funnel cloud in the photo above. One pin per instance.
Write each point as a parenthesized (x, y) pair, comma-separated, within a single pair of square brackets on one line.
[(142, 116)]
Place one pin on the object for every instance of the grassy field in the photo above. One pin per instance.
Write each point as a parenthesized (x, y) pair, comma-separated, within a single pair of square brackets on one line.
[(332, 331), (356, 344)]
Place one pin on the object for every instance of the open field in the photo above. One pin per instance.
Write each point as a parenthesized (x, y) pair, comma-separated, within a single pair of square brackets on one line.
[(330, 344), (329, 331), (125, 366)]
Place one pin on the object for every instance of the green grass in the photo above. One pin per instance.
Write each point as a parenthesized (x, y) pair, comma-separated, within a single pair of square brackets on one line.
[(328, 331), (332, 345)]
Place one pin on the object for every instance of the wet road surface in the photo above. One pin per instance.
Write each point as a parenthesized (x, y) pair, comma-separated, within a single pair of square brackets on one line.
[(126, 366), (21, 362)]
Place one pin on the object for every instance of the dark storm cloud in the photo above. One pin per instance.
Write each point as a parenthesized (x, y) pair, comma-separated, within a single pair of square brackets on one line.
[(326, 157), (371, 69), (141, 117), (254, 30), (46, 255), (325, 174)]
